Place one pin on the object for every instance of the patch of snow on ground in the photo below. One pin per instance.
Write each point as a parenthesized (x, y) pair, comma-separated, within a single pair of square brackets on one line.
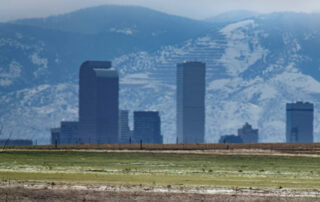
[(230, 28), (126, 31), (41, 62), (242, 50), (13, 72)]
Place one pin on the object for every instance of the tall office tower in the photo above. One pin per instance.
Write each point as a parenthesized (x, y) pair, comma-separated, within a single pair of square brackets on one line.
[(147, 127), (299, 127), (69, 133), (124, 130), (191, 102), (248, 134), (55, 136), (98, 103)]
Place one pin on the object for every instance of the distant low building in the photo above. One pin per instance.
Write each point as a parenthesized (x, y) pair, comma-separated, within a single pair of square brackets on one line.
[(16, 142), (55, 136), (248, 134), (67, 134), (124, 130), (230, 139), (299, 123), (147, 127)]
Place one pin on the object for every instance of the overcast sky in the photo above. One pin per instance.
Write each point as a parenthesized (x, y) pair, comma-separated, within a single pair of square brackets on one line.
[(198, 9)]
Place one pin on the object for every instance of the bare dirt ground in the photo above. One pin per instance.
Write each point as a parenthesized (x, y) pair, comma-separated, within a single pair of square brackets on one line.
[(292, 148), (254, 152), (51, 192), (25, 194)]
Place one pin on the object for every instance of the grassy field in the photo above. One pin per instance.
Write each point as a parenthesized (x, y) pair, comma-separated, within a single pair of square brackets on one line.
[(161, 169)]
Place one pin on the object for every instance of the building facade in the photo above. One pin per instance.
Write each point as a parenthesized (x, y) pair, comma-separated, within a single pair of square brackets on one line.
[(299, 122), (191, 102), (230, 139), (98, 103), (55, 136), (248, 134), (147, 127), (124, 130), (69, 133)]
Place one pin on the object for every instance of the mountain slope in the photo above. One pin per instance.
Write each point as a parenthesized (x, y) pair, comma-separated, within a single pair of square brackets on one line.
[(138, 22)]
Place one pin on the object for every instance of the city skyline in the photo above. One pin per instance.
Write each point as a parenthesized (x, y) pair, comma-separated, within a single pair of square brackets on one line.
[(99, 97)]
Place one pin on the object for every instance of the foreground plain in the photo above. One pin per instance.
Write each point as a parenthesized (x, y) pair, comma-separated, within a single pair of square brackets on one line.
[(153, 168), (171, 170)]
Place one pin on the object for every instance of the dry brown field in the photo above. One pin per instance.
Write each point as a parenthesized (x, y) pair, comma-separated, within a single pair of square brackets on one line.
[(294, 148)]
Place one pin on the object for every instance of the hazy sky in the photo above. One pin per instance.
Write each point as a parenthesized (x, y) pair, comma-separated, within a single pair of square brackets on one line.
[(199, 9)]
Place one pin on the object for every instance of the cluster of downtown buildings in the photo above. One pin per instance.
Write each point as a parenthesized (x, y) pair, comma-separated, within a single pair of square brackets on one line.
[(102, 122), (100, 119)]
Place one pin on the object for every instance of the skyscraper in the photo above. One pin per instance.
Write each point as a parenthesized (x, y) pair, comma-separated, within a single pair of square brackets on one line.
[(248, 134), (147, 127), (299, 127), (124, 130), (98, 103), (191, 102)]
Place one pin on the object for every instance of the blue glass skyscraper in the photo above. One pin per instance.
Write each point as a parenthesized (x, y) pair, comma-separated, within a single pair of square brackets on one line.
[(191, 102), (299, 127), (98, 103)]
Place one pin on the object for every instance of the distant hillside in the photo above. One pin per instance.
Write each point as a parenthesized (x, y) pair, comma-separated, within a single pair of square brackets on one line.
[(137, 22)]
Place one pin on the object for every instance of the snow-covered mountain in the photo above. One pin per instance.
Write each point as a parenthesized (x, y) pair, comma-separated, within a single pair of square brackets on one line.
[(254, 67)]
